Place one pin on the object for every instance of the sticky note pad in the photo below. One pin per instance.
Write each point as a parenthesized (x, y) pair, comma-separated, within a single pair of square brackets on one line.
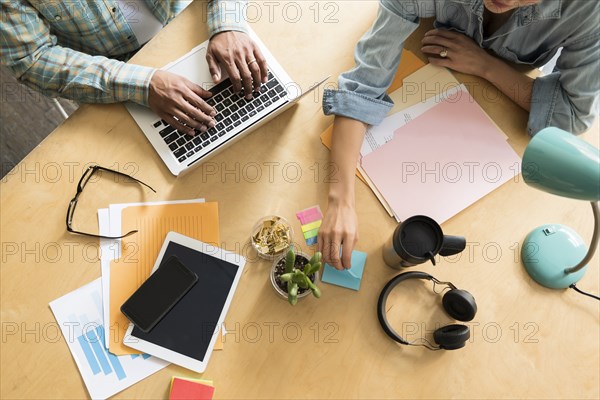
[(184, 389), (349, 278), (310, 219)]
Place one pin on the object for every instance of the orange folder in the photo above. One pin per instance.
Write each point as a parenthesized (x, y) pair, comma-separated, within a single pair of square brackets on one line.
[(409, 63), (196, 220)]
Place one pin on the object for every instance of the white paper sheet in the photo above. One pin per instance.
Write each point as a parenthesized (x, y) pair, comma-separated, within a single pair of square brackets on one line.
[(79, 315)]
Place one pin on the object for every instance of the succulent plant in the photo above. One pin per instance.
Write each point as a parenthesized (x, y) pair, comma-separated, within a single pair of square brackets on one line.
[(300, 278)]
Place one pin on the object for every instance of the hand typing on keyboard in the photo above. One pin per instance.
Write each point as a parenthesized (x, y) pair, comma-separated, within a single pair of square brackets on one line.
[(234, 113), (241, 58), (180, 102)]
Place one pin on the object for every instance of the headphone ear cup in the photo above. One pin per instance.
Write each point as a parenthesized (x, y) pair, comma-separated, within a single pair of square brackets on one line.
[(452, 337), (460, 305)]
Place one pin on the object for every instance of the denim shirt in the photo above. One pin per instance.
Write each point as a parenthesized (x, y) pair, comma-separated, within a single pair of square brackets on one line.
[(567, 98)]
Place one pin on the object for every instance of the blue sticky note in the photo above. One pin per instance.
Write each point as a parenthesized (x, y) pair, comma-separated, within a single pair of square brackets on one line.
[(311, 241), (349, 278)]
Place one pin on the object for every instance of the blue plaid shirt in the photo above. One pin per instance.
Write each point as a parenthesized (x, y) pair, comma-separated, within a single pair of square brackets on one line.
[(77, 49)]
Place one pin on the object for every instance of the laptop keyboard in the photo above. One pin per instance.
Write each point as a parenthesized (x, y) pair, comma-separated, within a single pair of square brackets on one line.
[(232, 111)]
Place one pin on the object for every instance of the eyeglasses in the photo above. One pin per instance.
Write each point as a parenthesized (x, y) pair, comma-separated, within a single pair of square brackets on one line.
[(85, 178)]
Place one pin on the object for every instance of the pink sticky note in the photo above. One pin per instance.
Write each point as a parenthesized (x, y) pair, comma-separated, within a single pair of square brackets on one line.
[(443, 161), (309, 215)]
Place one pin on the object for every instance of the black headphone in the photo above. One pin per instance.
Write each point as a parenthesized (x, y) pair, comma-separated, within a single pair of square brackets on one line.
[(459, 304)]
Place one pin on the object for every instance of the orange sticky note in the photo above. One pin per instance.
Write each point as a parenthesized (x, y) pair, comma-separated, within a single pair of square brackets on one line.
[(409, 63), (196, 220)]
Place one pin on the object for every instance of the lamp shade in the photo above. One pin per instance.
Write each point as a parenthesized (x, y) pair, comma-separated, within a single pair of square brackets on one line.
[(557, 162)]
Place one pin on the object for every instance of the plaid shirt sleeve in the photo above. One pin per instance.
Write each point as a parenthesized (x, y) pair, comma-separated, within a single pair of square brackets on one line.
[(32, 53), (226, 15), (38, 61)]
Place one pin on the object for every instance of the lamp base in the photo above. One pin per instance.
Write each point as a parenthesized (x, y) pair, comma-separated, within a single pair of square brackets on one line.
[(548, 250)]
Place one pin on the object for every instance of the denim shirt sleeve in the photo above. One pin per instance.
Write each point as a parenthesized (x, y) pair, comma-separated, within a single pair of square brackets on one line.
[(361, 92), (568, 97)]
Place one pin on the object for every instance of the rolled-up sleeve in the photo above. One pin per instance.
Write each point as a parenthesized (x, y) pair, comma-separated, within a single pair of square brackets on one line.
[(31, 52), (361, 92), (226, 15), (568, 97)]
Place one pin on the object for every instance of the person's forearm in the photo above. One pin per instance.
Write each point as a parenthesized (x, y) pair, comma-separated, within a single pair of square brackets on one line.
[(64, 72), (509, 81), (348, 135)]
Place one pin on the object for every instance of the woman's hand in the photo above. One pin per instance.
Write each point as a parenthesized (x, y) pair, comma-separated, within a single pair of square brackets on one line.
[(463, 53), (241, 58), (340, 223), (339, 228), (180, 102)]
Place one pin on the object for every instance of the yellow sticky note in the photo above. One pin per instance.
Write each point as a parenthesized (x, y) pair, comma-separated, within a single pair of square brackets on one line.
[(203, 381), (312, 225)]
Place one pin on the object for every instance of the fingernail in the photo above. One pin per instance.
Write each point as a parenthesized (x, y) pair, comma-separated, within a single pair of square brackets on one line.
[(203, 128), (213, 113), (264, 80), (212, 124), (249, 97), (215, 77)]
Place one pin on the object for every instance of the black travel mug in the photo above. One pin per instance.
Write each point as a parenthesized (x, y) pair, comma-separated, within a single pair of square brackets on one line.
[(419, 239)]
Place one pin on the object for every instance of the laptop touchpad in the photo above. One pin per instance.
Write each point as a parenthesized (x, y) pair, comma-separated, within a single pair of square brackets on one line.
[(195, 68)]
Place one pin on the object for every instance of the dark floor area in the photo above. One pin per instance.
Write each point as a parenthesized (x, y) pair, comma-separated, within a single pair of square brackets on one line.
[(26, 118)]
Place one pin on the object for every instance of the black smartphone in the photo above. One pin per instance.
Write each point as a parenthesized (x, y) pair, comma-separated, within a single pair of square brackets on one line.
[(159, 294)]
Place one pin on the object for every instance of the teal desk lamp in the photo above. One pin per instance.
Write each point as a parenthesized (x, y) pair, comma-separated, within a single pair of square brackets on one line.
[(557, 162)]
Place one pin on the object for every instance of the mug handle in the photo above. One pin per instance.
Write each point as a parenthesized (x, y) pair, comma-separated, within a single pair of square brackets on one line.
[(452, 245)]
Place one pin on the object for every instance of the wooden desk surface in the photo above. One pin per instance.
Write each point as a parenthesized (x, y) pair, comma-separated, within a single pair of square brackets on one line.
[(527, 341)]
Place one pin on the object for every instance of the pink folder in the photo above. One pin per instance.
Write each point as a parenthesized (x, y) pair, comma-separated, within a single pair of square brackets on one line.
[(443, 161)]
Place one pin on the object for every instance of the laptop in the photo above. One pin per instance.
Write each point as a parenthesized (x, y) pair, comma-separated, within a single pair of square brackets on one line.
[(235, 116)]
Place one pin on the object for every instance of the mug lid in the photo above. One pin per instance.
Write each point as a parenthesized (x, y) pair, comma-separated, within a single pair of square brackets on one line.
[(418, 238)]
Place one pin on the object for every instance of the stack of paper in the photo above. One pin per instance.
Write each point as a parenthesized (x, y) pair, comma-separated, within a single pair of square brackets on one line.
[(106, 365), (197, 220), (442, 161)]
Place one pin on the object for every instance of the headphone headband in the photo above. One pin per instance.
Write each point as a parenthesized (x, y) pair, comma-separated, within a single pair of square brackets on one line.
[(464, 313), (383, 300)]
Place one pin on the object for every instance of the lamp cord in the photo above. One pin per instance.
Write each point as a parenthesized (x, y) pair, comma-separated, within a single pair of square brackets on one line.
[(572, 286)]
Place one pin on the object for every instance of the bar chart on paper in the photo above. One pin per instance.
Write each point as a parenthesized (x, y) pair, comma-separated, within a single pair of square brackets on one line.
[(79, 315)]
